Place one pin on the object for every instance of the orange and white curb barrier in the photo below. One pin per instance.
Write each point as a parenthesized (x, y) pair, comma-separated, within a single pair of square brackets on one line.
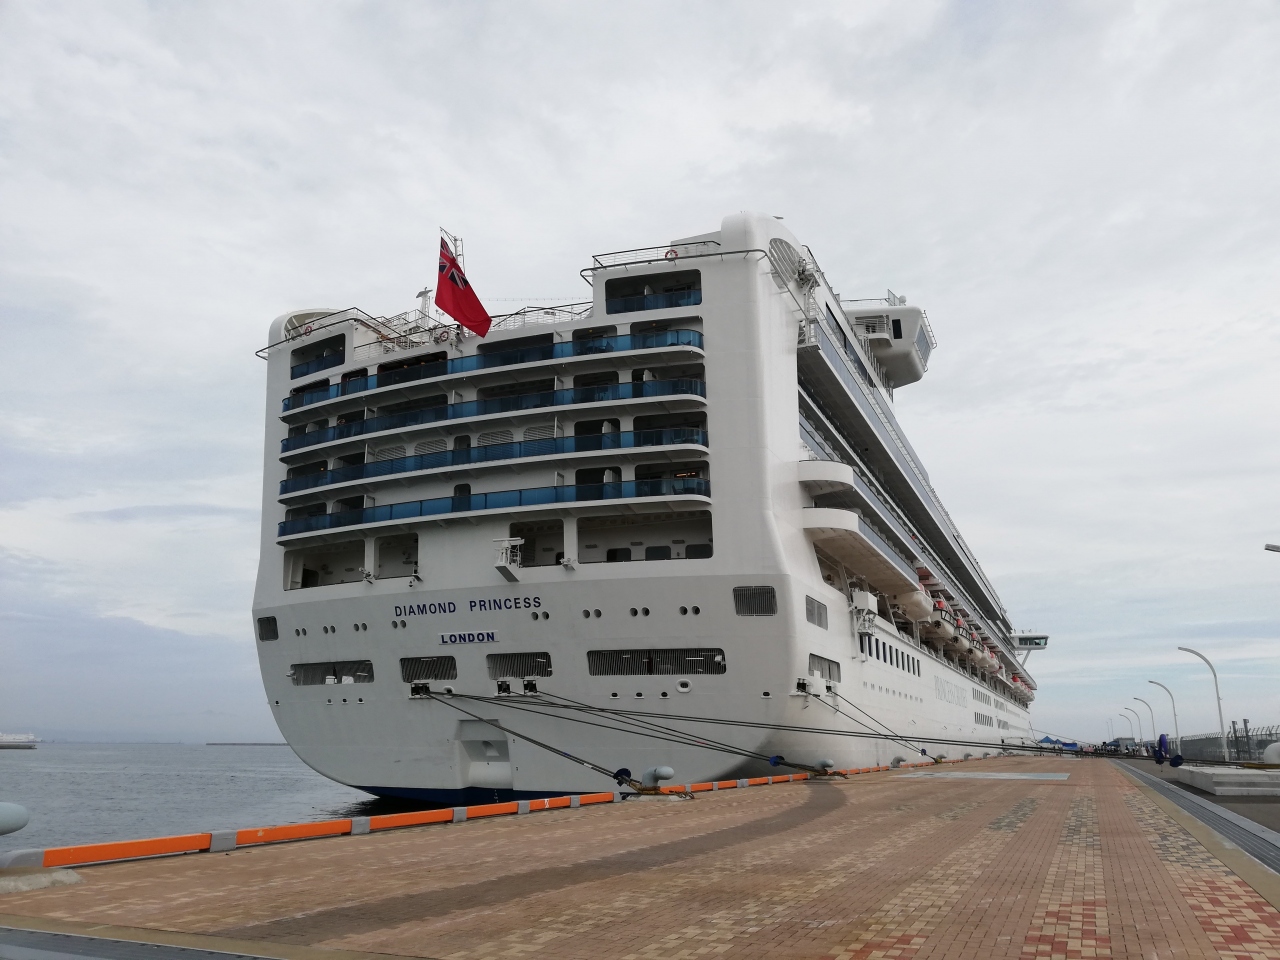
[(224, 841)]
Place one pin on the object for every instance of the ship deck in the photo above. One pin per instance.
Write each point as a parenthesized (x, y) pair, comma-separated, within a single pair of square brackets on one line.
[(1010, 857)]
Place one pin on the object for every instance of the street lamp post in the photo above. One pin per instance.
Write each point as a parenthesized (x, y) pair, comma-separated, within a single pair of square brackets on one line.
[(1222, 727), (1155, 737), (1173, 703), (1139, 719), (1125, 716)]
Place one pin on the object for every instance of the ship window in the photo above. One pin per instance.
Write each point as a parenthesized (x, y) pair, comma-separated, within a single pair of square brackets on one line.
[(815, 611), (417, 669), (657, 553), (638, 663), (824, 668), (267, 629), (698, 551), (618, 555), (897, 328), (654, 291), (518, 343), (595, 333), (755, 601), (518, 665), (331, 672)]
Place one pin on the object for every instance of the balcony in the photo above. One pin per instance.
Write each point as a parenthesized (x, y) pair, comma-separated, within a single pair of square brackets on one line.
[(552, 446), (477, 408), (499, 500), (549, 351), (654, 301), (315, 366)]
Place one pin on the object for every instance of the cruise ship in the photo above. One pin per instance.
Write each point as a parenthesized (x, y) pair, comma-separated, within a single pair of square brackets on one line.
[(673, 530)]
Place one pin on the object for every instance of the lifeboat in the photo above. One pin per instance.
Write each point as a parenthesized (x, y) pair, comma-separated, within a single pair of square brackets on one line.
[(916, 604)]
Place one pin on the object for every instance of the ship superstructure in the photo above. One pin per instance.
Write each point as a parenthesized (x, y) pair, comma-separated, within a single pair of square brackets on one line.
[(686, 500)]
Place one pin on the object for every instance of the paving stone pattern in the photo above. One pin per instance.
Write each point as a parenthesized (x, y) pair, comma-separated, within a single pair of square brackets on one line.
[(875, 866)]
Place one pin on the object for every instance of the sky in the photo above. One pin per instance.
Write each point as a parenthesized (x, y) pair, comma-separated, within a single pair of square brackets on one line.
[(1082, 195)]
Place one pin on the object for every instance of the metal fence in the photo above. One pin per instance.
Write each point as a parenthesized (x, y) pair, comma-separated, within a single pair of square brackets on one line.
[(1244, 742)]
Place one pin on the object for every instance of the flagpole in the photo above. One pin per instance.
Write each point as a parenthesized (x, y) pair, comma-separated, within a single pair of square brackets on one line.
[(456, 244)]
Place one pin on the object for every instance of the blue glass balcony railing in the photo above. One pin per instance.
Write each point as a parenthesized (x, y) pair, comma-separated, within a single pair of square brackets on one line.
[(500, 500), (476, 408), (315, 366), (548, 351), (497, 451), (653, 301)]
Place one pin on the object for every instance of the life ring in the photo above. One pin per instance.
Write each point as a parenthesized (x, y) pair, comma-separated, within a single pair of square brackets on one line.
[(306, 331), (672, 254)]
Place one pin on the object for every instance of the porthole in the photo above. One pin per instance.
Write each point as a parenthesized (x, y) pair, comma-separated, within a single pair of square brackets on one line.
[(325, 629), (359, 699), (696, 611), (344, 699), (684, 611), (614, 695), (535, 616), (297, 632), (355, 627), (639, 695), (330, 700), (277, 703), (586, 613), (395, 624), (364, 626), (403, 625), (304, 631), (595, 613), (645, 611), (766, 694), (634, 611), (332, 628), (545, 615), (664, 694), (684, 686)]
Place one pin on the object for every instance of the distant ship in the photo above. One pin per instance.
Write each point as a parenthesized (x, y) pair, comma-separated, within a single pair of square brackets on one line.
[(18, 741), (675, 526)]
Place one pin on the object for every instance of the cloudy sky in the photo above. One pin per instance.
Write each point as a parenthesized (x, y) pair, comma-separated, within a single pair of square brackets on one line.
[(1083, 195)]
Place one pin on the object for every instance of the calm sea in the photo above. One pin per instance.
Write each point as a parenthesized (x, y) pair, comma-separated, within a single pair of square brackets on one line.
[(94, 792)]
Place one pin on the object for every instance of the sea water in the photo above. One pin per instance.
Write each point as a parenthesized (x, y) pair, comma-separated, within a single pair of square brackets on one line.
[(96, 792)]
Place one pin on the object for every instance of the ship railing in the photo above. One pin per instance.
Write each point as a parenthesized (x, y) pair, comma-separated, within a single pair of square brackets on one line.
[(824, 339), (483, 361), (475, 408), (563, 313), (486, 453), (814, 443), (670, 252), (499, 500)]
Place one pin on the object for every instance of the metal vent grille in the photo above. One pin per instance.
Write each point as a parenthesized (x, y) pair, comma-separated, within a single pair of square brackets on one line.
[(542, 431), (516, 665), (332, 671), (641, 663), (815, 611), (389, 453), (785, 261), (416, 669), (755, 601), (824, 668), (495, 436)]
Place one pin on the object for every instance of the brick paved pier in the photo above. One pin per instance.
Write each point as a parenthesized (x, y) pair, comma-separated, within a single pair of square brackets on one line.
[(950, 862)]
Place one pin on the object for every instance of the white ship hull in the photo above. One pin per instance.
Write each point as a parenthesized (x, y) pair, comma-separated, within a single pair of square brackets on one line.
[(776, 612)]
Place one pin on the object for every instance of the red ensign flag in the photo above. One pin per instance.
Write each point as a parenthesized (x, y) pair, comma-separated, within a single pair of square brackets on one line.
[(456, 298)]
